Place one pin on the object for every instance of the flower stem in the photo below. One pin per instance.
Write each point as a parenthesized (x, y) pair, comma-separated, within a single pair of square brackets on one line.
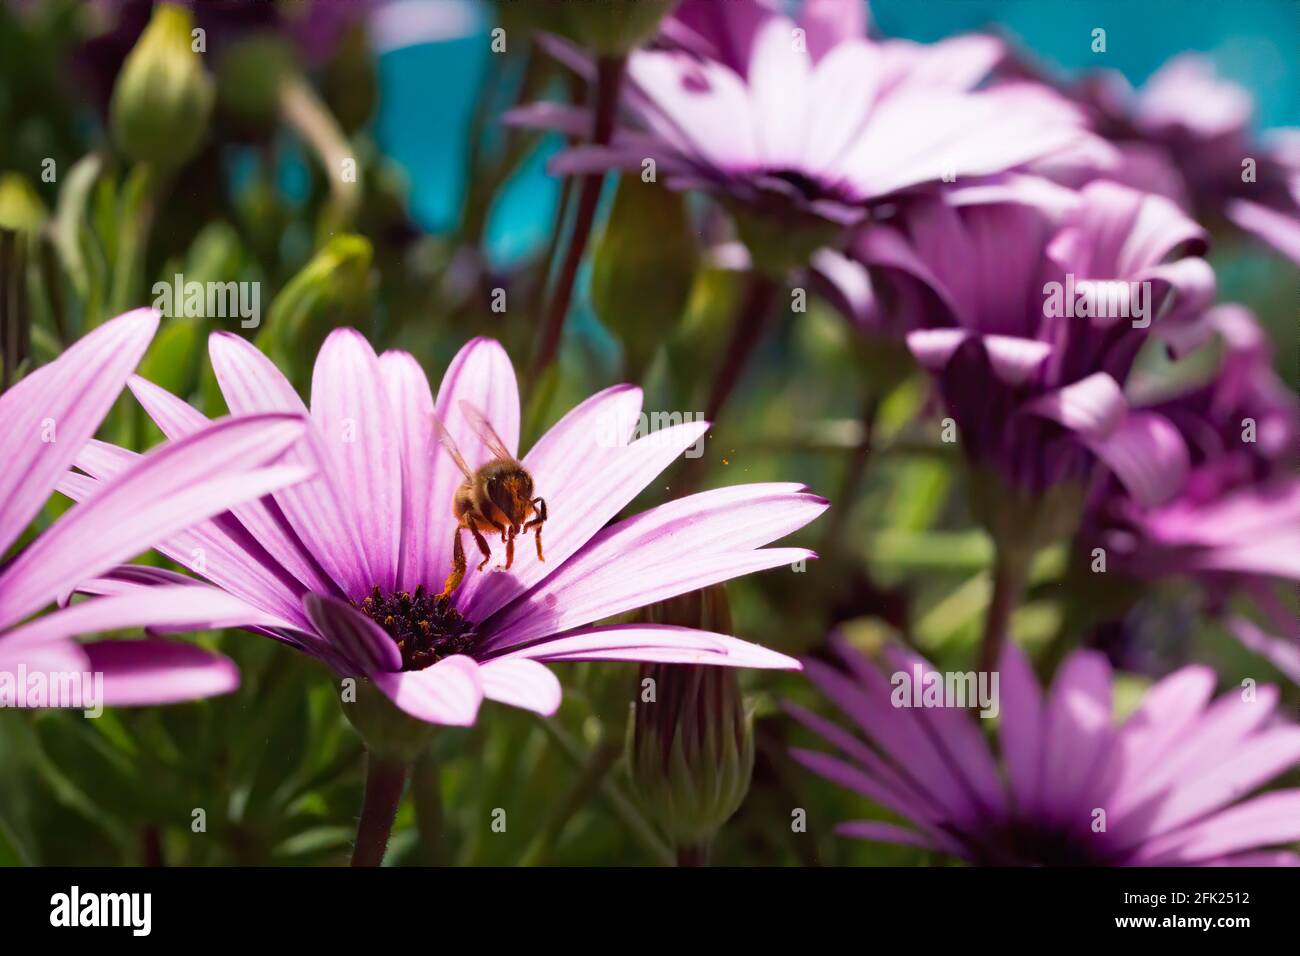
[(1008, 585), (591, 777), (855, 470), (697, 855), (747, 330), (385, 779), (608, 86), (426, 793), (305, 113), (631, 817)]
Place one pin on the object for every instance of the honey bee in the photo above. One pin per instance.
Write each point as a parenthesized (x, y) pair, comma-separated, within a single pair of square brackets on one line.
[(497, 496)]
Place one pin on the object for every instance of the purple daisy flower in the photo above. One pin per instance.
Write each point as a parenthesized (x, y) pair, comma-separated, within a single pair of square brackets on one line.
[(350, 566), (1168, 786), (1188, 132), (48, 417), (813, 126), (1234, 524), (726, 32), (1030, 320)]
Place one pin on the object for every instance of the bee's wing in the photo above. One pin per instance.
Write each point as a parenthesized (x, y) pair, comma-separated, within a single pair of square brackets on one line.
[(449, 443), (478, 421)]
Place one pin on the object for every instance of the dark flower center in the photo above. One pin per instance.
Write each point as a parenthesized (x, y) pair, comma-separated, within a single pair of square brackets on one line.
[(425, 629), (1034, 843), (805, 184)]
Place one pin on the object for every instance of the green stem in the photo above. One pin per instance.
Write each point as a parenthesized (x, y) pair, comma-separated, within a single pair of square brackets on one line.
[(608, 87), (747, 329), (599, 762), (141, 193), (310, 118), (1009, 574), (855, 470), (385, 779), (627, 812), (426, 792)]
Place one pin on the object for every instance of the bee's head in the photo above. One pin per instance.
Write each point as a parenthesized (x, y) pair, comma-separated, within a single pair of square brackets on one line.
[(512, 491)]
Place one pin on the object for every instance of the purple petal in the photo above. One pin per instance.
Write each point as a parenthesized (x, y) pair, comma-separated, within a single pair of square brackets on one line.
[(1093, 407), (778, 89), (521, 682), (827, 23), (587, 473), (358, 639), (318, 510), (263, 519), (149, 672), (1267, 820), (896, 731), (1166, 717), (1278, 229), (52, 412), (1021, 731), (195, 606), (449, 692), (885, 833), (480, 375), (677, 547), (572, 121), (1147, 453), (662, 643), (422, 515), (1077, 734), (1283, 653), (221, 550), (918, 136), (355, 419), (170, 488)]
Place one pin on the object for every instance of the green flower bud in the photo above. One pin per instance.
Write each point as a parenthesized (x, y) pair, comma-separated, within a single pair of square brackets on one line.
[(690, 745), (615, 27), (389, 732), (21, 209), (643, 268), (163, 97), (329, 291), (250, 75)]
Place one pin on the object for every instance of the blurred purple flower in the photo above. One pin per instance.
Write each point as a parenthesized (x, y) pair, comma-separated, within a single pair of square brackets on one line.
[(1235, 523), (48, 417), (801, 123), (1188, 133), (348, 564), (1167, 787), (1030, 315)]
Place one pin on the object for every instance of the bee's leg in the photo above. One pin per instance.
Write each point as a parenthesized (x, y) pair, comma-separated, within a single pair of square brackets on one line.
[(510, 550), (457, 565), (480, 541), (539, 505)]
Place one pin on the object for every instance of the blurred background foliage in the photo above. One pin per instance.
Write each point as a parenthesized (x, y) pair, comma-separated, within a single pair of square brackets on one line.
[(450, 214)]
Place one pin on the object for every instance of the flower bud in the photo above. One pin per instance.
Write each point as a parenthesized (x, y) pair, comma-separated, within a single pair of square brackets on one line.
[(643, 269), (250, 76), (163, 97), (615, 27), (690, 746), (21, 209)]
